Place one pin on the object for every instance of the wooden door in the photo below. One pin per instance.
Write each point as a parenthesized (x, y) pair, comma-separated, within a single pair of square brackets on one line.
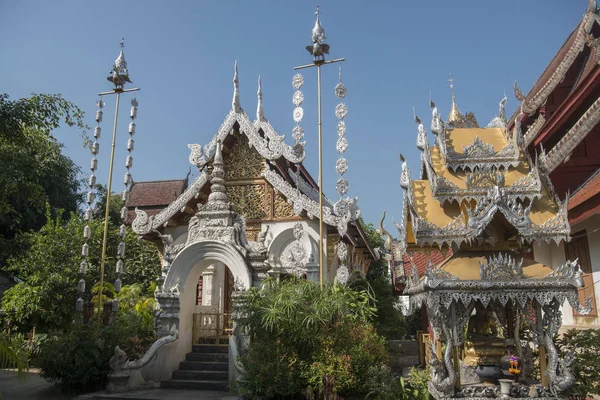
[(578, 248)]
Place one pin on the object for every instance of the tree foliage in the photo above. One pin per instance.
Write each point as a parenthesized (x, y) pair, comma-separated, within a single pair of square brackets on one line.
[(389, 320), (307, 339), (34, 170), (50, 271)]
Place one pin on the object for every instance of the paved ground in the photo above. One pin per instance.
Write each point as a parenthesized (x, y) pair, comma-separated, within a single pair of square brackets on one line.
[(161, 394), (30, 387), (33, 387)]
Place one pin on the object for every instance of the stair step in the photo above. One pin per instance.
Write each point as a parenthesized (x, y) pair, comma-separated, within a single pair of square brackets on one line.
[(194, 384), (207, 357), (210, 349), (224, 341), (203, 366), (200, 375)]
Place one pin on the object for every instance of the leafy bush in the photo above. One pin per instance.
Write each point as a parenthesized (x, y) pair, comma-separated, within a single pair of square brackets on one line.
[(307, 340), (586, 367), (50, 272), (398, 389), (78, 358)]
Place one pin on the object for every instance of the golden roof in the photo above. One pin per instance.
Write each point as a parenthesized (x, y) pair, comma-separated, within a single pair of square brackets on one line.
[(466, 265)]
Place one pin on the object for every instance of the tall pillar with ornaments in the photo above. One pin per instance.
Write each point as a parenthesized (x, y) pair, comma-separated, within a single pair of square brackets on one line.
[(119, 77)]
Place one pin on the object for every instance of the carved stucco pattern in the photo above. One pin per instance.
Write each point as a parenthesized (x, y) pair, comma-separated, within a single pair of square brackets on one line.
[(269, 201), (243, 162), (282, 209), (247, 200), (252, 231), (144, 224), (574, 136), (531, 105), (534, 129)]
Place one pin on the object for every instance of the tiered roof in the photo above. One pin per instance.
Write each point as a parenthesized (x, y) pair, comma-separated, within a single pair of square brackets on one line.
[(282, 169), (477, 183)]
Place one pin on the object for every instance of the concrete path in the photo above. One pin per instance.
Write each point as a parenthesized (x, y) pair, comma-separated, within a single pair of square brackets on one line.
[(29, 387), (160, 394)]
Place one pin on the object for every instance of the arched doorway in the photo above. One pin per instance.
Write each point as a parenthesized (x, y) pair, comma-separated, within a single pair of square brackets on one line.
[(183, 277)]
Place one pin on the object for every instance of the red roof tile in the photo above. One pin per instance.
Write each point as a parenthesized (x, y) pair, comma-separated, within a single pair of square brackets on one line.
[(155, 194), (422, 259), (589, 189)]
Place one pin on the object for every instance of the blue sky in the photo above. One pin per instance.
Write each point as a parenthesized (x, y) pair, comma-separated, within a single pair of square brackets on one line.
[(181, 53)]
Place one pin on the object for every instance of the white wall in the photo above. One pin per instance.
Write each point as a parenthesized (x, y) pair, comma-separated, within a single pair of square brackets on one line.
[(554, 256)]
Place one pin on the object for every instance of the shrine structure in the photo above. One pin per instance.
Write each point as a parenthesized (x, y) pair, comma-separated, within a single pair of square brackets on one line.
[(252, 212), (560, 119), (479, 202)]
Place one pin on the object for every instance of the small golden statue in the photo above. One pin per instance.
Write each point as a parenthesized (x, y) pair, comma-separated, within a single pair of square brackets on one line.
[(484, 345)]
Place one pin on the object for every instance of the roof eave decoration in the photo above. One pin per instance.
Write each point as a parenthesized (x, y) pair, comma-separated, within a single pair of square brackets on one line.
[(501, 279), (530, 106), (270, 146), (479, 153), (555, 229)]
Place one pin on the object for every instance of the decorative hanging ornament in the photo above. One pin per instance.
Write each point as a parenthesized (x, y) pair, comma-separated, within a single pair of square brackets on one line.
[(296, 257), (89, 199), (342, 207)]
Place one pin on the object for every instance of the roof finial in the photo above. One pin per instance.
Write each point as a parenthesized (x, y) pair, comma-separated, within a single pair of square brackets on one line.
[(455, 114), (119, 73), (318, 48), (260, 114), (217, 188), (235, 104), (592, 7)]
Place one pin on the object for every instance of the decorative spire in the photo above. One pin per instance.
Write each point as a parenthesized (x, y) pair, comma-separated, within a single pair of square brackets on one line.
[(436, 119), (217, 189), (318, 48), (235, 103), (119, 73), (422, 133), (318, 33), (260, 114), (405, 175), (592, 7), (455, 114)]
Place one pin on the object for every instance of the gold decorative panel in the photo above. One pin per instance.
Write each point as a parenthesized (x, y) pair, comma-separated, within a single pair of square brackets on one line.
[(282, 209), (252, 231), (247, 200), (243, 162), (269, 201)]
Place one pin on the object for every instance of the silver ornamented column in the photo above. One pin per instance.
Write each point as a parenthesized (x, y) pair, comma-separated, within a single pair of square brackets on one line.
[(119, 77), (297, 255), (89, 212), (342, 206), (128, 182)]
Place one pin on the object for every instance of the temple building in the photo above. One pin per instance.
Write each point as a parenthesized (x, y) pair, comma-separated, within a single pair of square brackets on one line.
[(252, 212), (559, 120), (479, 204)]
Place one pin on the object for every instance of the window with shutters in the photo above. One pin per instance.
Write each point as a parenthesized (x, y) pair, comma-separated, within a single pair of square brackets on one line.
[(578, 248)]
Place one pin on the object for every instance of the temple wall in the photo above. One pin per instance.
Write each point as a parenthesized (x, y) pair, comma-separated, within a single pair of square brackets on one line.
[(554, 256), (593, 235)]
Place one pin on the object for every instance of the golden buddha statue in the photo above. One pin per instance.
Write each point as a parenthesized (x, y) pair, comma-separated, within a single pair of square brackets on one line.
[(484, 344)]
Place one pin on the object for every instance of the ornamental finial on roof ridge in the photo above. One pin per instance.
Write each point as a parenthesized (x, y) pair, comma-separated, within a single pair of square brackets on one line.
[(592, 6), (455, 114), (235, 103), (260, 113)]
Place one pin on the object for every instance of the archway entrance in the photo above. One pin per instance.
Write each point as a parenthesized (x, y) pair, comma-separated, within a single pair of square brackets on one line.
[(212, 316), (184, 275)]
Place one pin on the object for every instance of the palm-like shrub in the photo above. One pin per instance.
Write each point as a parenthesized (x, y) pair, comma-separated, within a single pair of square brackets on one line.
[(307, 339)]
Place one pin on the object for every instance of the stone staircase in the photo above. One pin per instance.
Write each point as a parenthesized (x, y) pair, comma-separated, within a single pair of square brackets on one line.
[(205, 368)]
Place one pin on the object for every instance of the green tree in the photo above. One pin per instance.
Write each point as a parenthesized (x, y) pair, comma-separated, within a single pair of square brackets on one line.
[(389, 321), (34, 170), (50, 271)]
